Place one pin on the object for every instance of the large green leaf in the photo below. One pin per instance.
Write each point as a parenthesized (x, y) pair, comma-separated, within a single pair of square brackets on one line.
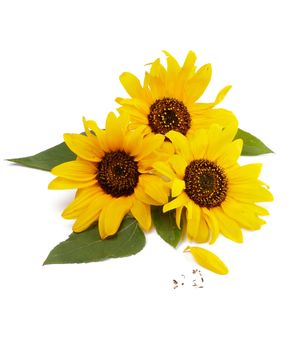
[(165, 225), (252, 146), (88, 247), (47, 159)]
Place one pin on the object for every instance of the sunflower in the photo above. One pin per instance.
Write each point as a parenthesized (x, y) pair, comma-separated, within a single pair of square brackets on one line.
[(112, 175), (219, 195), (167, 99)]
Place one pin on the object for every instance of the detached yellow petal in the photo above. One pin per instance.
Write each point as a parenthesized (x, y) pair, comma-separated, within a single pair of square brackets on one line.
[(208, 260)]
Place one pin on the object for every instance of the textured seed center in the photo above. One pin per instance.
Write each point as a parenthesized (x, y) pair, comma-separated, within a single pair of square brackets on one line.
[(205, 183), (118, 174), (169, 114)]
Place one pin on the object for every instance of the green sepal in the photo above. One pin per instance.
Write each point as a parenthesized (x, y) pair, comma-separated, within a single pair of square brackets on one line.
[(48, 159), (87, 246), (252, 146), (165, 225)]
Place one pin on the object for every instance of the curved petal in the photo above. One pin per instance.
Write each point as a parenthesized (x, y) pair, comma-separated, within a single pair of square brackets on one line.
[(228, 227), (113, 214), (83, 197), (60, 183), (177, 187), (79, 170), (114, 133), (208, 260), (132, 85), (90, 213), (85, 147), (155, 187), (178, 202), (212, 223), (181, 144), (179, 164), (197, 85), (164, 169), (142, 213), (193, 224)]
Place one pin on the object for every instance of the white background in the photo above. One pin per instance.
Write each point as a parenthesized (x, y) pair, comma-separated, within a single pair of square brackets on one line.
[(61, 60)]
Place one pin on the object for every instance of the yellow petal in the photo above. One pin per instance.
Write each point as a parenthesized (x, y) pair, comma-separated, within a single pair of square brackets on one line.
[(90, 213), (59, 183), (144, 197), (250, 192), (193, 224), (222, 94), (177, 187), (230, 154), (198, 144), (198, 84), (181, 144), (188, 67), (142, 213), (83, 197), (149, 145), (164, 169), (178, 216), (245, 216), (208, 260), (212, 223), (133, 141), (203, 234), (113, 215), (245, 173), (155, 187), (179, 164), (178, 202), (132, 85), (228, 227), (114, 133), (85, 147), (79, 170), (203, 117)]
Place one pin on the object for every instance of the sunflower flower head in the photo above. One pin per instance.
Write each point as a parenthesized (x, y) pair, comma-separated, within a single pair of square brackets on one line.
[(167, 100), (112, 174), (212, 192)]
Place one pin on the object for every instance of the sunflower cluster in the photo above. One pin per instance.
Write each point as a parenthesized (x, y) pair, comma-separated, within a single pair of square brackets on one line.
[(166, 149)]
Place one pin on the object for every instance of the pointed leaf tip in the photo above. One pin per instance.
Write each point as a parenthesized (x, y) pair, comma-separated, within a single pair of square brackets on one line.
[(87, 246), (252, 146)]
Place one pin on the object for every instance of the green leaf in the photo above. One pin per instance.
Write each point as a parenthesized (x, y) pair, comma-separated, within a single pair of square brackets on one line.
[(47, 159), (165, 225), (252, 146), (89, 247)]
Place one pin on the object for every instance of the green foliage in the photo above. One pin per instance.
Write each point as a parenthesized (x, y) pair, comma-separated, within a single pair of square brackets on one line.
[(252, 146), (165, 225), (89, 247)]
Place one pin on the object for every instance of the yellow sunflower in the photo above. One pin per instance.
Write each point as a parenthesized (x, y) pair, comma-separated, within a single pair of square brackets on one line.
[(112, 173), (219, 195), (167, 99)]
